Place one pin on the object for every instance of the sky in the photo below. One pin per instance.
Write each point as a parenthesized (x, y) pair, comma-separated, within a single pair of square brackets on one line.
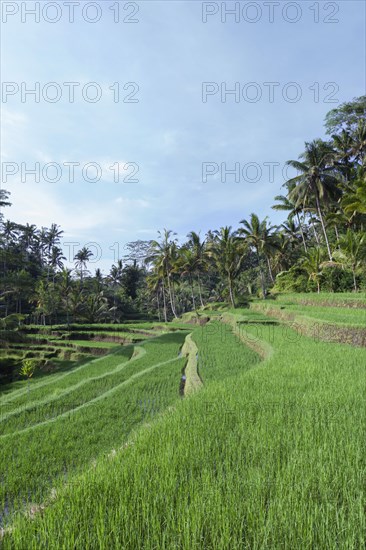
[(165, 114)]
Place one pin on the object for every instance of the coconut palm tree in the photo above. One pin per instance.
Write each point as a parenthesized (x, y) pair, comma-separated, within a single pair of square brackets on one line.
[(65, 286), (95, 307), (115, 278), (354, 202), (155, 284), (259, 236), (359, 142), (317, 180), (186, 266), (352, 252), (163, 254), (228, 252), (284, 203), (4, 195), (199, 250), (56, 260), (313, 263), (81, 258)]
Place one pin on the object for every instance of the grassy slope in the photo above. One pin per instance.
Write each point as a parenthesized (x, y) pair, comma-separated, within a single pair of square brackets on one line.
[(339, 315), (341, 299), (84, 424), (273, 457)]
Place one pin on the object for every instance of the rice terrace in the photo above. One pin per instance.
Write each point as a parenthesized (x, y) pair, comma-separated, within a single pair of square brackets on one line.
[(183, 275)]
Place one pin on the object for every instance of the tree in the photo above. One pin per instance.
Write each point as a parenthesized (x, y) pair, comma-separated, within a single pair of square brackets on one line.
[(95, 307), (352, 252), (186, 266), (258, 235), (115, 279), (346, 116), (199, 251), (81, 259), (163, 254), (317, 179), (284, 203), (354, 201), (228, 252), (131, 277), (313, 263), (4, 195), (65, 285)]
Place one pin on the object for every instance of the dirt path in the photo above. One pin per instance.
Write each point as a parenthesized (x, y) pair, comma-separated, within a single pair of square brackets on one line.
[(193, 380)]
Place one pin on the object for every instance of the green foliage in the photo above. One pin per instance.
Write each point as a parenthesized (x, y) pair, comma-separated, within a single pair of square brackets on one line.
[(346, 115), (293, 280), (336, 279), (28, 368)]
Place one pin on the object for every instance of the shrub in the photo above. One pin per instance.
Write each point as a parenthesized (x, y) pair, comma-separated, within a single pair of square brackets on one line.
[(293, 280), (336, 279)]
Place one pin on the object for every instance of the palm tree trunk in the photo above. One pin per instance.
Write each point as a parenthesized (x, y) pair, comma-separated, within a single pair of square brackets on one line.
[(200, 289), (158, 302), (270, 269), (354, 280), (171, 296), (193, 300), (174, 298), (301, 231), (164, 302), (323, 226), (315, 232), (336, 232), (231, 292), (261, 276)]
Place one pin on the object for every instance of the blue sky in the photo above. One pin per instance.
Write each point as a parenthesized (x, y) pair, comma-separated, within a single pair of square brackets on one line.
[(169, 132)]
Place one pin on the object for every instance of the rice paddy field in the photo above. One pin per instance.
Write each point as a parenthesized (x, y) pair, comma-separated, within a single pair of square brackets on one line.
[(268, 452)]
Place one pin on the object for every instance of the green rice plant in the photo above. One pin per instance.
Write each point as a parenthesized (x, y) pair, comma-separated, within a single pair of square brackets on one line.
[(83, 429), (272, 457)]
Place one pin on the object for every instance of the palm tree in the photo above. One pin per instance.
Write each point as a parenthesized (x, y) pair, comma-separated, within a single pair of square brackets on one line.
[(228, 253), (10, 233), (313, 263), (55, 259), (352, 251), (343, 144), (155, 283), (354, 201), (293, 209), (115, 278), (359, 142), (291, 231), (81, 259), (317, 179), (65, 286), (95, 307), (163, 254), (186, 266), (98, 280), (258, 235), (198, 248), (4, 195)]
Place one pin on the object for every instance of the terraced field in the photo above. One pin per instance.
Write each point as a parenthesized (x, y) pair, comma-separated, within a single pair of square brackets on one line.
[(339, 323), (70, 418), (61, 347), (269, 452)]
